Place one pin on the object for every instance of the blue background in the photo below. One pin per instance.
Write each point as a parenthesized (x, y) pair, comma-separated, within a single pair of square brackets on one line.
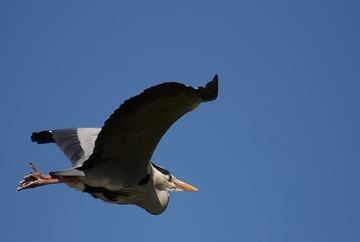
[(276, 157)]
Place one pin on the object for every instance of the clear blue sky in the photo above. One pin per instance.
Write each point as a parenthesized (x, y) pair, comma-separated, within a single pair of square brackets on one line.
[(276, 157)]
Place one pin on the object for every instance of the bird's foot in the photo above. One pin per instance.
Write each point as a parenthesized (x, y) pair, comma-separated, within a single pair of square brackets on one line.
[(36, 179)]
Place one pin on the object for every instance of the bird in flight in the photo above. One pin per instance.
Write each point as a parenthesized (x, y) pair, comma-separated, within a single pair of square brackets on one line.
[(113, 163)]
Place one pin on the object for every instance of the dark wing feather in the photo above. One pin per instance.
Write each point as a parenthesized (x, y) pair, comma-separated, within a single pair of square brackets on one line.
[(133, 131)]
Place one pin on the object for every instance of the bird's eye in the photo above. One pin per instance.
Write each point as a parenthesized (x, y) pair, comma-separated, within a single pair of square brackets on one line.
[(170, 178)]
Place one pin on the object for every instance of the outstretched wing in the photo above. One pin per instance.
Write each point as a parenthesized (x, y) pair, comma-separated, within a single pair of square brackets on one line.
[(133, 131), (77, 144)]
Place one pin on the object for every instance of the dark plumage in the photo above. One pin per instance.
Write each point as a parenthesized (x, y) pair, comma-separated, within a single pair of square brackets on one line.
[(42, 137)]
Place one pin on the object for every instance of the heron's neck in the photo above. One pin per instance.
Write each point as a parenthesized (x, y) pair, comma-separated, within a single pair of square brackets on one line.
[(160, 180)]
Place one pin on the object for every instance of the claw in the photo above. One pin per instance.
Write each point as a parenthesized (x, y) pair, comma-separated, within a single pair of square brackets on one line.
[(34, 168), (36, 179)]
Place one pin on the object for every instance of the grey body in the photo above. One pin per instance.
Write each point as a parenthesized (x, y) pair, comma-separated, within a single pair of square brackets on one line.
[(113, 162)]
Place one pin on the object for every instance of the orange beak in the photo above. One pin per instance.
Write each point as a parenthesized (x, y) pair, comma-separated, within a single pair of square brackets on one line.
[(184, 186)]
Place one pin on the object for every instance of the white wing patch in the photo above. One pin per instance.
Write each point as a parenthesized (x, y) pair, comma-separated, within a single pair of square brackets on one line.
[(87, 138), (77, 144)]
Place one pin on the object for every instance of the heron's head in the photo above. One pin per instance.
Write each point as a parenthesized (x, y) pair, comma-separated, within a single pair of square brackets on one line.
[(164, 180)]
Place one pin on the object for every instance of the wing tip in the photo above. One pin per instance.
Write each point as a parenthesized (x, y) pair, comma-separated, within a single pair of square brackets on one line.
[(211, 89), (42, 137)]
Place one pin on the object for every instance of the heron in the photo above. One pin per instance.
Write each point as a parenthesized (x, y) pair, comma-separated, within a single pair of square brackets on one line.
[(113, 163)]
